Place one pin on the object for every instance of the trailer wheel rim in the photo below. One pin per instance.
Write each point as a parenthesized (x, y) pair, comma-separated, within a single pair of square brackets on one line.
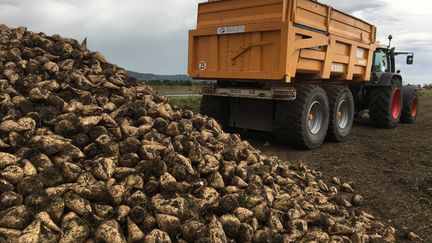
[(396, 104), (315, 118), (343, 114), (414, 107)]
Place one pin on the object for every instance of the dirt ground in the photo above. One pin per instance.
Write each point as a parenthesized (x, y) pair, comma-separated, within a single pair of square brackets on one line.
[(392, 169)]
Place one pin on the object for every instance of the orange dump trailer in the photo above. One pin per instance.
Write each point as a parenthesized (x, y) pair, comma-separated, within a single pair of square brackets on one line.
[(297, 68), (278, 40)]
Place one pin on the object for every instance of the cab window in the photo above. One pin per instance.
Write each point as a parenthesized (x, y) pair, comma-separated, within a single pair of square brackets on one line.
[(381, 63)]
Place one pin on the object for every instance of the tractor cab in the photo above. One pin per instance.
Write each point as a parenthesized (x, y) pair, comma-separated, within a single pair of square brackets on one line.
[(384, 60)]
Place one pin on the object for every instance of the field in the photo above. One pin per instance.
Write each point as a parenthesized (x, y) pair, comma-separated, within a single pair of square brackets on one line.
[(171, 88), (392, 169), (187, 102)]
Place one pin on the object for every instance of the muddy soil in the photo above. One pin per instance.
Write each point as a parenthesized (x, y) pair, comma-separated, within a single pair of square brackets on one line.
[(392, 169)]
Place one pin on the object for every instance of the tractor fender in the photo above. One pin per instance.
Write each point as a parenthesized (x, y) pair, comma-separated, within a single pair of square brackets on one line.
[(387, 78)]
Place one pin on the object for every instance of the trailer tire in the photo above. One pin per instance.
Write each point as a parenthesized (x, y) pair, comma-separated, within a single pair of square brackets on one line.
[(341, 103), (215, 107), (386, 105), (410, 104), (303, 123)]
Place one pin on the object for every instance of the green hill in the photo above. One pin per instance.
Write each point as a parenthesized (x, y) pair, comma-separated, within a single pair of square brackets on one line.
[(151, 76)]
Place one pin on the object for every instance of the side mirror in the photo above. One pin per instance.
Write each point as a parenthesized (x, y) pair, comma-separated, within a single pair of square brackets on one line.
[(410, 59)]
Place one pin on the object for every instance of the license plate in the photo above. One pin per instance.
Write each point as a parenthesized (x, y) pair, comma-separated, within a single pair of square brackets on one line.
[(235, 91)]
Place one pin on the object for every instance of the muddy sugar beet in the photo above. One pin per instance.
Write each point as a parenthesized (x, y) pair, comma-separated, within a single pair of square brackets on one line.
[(88, 154)]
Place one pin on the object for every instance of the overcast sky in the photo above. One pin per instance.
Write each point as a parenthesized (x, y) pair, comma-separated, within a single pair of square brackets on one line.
[(151, 36)]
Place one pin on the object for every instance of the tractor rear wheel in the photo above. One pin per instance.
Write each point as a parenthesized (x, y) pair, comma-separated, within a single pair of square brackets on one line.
[(410, 104), (215, 107), (386, 105), (341, 103), (303, 122)]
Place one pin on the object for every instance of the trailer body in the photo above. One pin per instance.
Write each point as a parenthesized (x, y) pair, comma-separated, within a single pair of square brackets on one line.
[(297, 68), (279, 40)]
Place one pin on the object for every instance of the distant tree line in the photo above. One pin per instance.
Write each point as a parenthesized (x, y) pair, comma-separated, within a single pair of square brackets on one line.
[(173, 82), (192, 83), (427, 86)]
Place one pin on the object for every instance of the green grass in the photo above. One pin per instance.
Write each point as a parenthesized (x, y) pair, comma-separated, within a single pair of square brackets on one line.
[(426, 94), (175, 88), (188, 102)]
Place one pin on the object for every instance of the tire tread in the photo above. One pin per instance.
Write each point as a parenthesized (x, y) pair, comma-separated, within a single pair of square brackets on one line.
[(380, 105), (333, 94), (407, 105), (288, 125)]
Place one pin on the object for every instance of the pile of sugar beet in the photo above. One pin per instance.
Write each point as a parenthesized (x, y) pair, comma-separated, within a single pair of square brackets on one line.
[(88, 154)]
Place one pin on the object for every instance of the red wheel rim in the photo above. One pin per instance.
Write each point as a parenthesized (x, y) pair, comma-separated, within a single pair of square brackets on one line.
[(414, 107), (396, 104)]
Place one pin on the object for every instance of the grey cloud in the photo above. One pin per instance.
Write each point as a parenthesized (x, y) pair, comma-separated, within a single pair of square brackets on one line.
[(156, 56), (109, 18), (353, 6), (10, 2)]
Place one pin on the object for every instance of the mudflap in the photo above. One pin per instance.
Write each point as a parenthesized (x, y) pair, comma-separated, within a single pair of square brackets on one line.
[(253, 114)]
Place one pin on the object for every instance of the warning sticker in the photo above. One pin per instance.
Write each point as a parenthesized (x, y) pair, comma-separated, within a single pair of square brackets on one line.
[(337, 68), (360, 53), (202, 65)]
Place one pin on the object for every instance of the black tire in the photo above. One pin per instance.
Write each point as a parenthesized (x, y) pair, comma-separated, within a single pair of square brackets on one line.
[(291, 122), (410, 104), (383, 111), (215, 107), (341, 103)]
